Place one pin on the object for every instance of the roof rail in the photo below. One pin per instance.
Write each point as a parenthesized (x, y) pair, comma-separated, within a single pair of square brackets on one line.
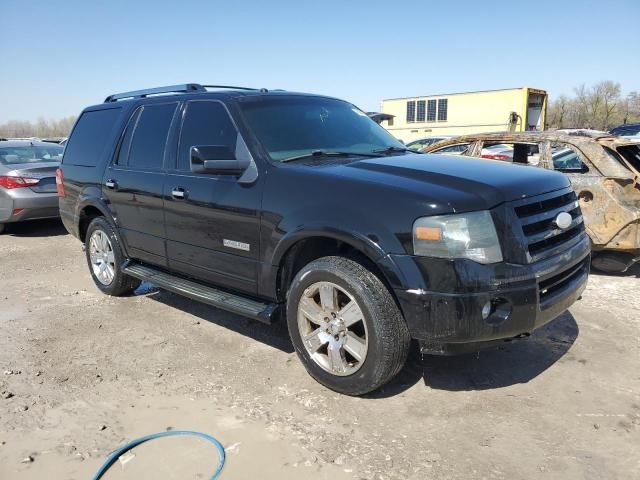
[(232, 87), (183, 88)]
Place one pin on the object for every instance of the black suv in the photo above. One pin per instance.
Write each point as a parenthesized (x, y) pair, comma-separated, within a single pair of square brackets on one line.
[(274, 204)]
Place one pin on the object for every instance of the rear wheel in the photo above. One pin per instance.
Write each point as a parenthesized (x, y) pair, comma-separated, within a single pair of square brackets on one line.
[(105, 259), (345, 326), (2, 227)]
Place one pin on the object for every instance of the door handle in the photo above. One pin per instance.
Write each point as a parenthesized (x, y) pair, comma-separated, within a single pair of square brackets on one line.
[(178, 193), (111, 184)]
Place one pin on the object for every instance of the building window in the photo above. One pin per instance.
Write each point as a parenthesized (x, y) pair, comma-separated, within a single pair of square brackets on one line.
[(411, 111), (431, 111), (420, 113), (442, 109)]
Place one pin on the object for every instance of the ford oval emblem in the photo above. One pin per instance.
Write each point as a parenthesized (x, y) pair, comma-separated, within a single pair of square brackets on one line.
[(563, 220)]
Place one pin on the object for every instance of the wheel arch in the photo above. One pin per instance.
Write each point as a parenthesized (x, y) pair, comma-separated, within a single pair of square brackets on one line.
[(304, 246), (89, 208)]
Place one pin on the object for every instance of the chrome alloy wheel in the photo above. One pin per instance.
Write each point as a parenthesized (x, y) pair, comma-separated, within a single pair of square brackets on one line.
[(332, 328), (102, 258)]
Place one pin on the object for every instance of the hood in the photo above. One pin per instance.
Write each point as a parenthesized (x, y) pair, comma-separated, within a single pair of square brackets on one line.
[(462, 183)]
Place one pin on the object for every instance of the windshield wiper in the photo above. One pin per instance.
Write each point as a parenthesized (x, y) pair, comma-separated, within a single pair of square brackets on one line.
[(392, 150), (323, 153)]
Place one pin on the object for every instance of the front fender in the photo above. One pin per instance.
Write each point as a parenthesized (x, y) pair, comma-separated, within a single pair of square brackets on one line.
[(363, 243)]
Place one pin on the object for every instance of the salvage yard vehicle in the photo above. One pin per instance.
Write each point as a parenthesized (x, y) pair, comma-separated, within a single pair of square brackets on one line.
[(273, 204), (604, 172), (424, 142), (27, 180)]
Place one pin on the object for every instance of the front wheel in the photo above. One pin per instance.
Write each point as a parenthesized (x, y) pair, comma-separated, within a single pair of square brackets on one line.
[(105, 259), (345, 326)]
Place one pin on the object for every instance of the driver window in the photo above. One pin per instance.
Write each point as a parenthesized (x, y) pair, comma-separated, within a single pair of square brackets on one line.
[(205, 123)]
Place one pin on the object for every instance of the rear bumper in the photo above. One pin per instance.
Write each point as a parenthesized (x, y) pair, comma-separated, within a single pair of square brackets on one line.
[(444, 312), (24, 204)]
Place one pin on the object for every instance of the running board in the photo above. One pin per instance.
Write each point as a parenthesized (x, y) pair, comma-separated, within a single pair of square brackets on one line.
[(263, 312)]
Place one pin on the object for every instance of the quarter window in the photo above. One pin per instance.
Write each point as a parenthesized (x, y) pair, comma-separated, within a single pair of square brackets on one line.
[(90, 137), (205, 123), (150, 136), (411, 111)]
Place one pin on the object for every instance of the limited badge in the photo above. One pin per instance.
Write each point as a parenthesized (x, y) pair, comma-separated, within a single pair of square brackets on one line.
[(236, 245)]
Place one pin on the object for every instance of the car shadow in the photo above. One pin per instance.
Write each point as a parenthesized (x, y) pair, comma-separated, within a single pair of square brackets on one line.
[(36, 228), (633, 271), (518, 361), (275, 335), (511, 363)]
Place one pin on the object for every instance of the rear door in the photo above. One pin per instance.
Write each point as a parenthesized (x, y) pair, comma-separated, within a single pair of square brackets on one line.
[(212, 221), (134, 181)]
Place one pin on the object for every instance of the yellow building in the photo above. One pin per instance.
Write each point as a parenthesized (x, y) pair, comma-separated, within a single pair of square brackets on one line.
[(514, 109)]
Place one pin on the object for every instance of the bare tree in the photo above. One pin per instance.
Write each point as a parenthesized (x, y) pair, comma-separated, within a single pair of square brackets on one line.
[(601, 106), (608, 95)]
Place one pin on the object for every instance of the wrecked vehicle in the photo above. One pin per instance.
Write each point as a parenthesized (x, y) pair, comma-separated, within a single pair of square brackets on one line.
[(604, 172)]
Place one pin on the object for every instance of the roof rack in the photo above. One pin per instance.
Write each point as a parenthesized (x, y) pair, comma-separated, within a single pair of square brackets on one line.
[(183, 88)]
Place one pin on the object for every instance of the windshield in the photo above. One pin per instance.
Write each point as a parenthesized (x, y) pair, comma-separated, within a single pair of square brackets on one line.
[(30, 154), (292, 126)]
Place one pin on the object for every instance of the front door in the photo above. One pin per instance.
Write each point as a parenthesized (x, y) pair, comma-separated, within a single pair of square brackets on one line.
[(212, 221), (133, 184)]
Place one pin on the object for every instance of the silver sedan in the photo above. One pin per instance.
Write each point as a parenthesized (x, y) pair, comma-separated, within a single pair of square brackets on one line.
[(27, 180)]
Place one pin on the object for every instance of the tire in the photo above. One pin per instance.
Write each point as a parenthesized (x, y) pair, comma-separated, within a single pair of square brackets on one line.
[(612, 262), (381, 329), (2, 227), (112, 280)]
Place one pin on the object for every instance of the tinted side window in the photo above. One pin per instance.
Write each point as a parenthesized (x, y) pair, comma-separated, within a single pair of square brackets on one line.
[(150, 136), (205, 123), (125, 145), (90, 137)]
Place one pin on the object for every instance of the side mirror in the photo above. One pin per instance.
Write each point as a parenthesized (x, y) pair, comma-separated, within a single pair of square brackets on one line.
[(216, 160)]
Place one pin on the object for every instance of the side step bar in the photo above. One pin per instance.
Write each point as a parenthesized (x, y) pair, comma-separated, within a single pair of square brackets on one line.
[(263, 312)]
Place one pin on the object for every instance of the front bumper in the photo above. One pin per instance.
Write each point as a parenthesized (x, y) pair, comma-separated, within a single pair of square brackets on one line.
[(444, 310), (24, 204)]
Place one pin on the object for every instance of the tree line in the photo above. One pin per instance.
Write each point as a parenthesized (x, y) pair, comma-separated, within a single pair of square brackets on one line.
[(600, 107), (41, 128)]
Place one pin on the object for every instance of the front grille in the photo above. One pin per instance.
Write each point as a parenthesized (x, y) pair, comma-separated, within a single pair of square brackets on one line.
[(555, 286), (537, 217)]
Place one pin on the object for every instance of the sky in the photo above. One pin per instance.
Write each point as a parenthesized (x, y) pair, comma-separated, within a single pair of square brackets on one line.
[(61, 56)]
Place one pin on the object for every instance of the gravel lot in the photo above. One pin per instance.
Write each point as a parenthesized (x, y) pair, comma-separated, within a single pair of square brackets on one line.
[(81, 373)]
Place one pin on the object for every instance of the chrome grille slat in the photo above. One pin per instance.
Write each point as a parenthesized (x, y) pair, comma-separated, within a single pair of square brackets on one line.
[(536, 215), (545, 234), (548, 215)]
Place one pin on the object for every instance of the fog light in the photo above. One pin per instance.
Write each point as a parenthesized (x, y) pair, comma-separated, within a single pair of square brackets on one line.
[(486, 310)]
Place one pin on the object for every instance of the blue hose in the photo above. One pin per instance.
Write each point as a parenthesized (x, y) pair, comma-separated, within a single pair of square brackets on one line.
[(115, 455)]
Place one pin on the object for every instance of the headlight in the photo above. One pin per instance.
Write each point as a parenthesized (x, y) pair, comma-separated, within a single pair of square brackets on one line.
[(465, 235)]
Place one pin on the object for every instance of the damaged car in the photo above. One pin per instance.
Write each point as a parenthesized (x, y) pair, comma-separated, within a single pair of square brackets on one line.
[(604, 172)]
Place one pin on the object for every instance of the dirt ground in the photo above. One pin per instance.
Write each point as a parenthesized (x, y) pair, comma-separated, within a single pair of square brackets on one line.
[(82, 373)]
